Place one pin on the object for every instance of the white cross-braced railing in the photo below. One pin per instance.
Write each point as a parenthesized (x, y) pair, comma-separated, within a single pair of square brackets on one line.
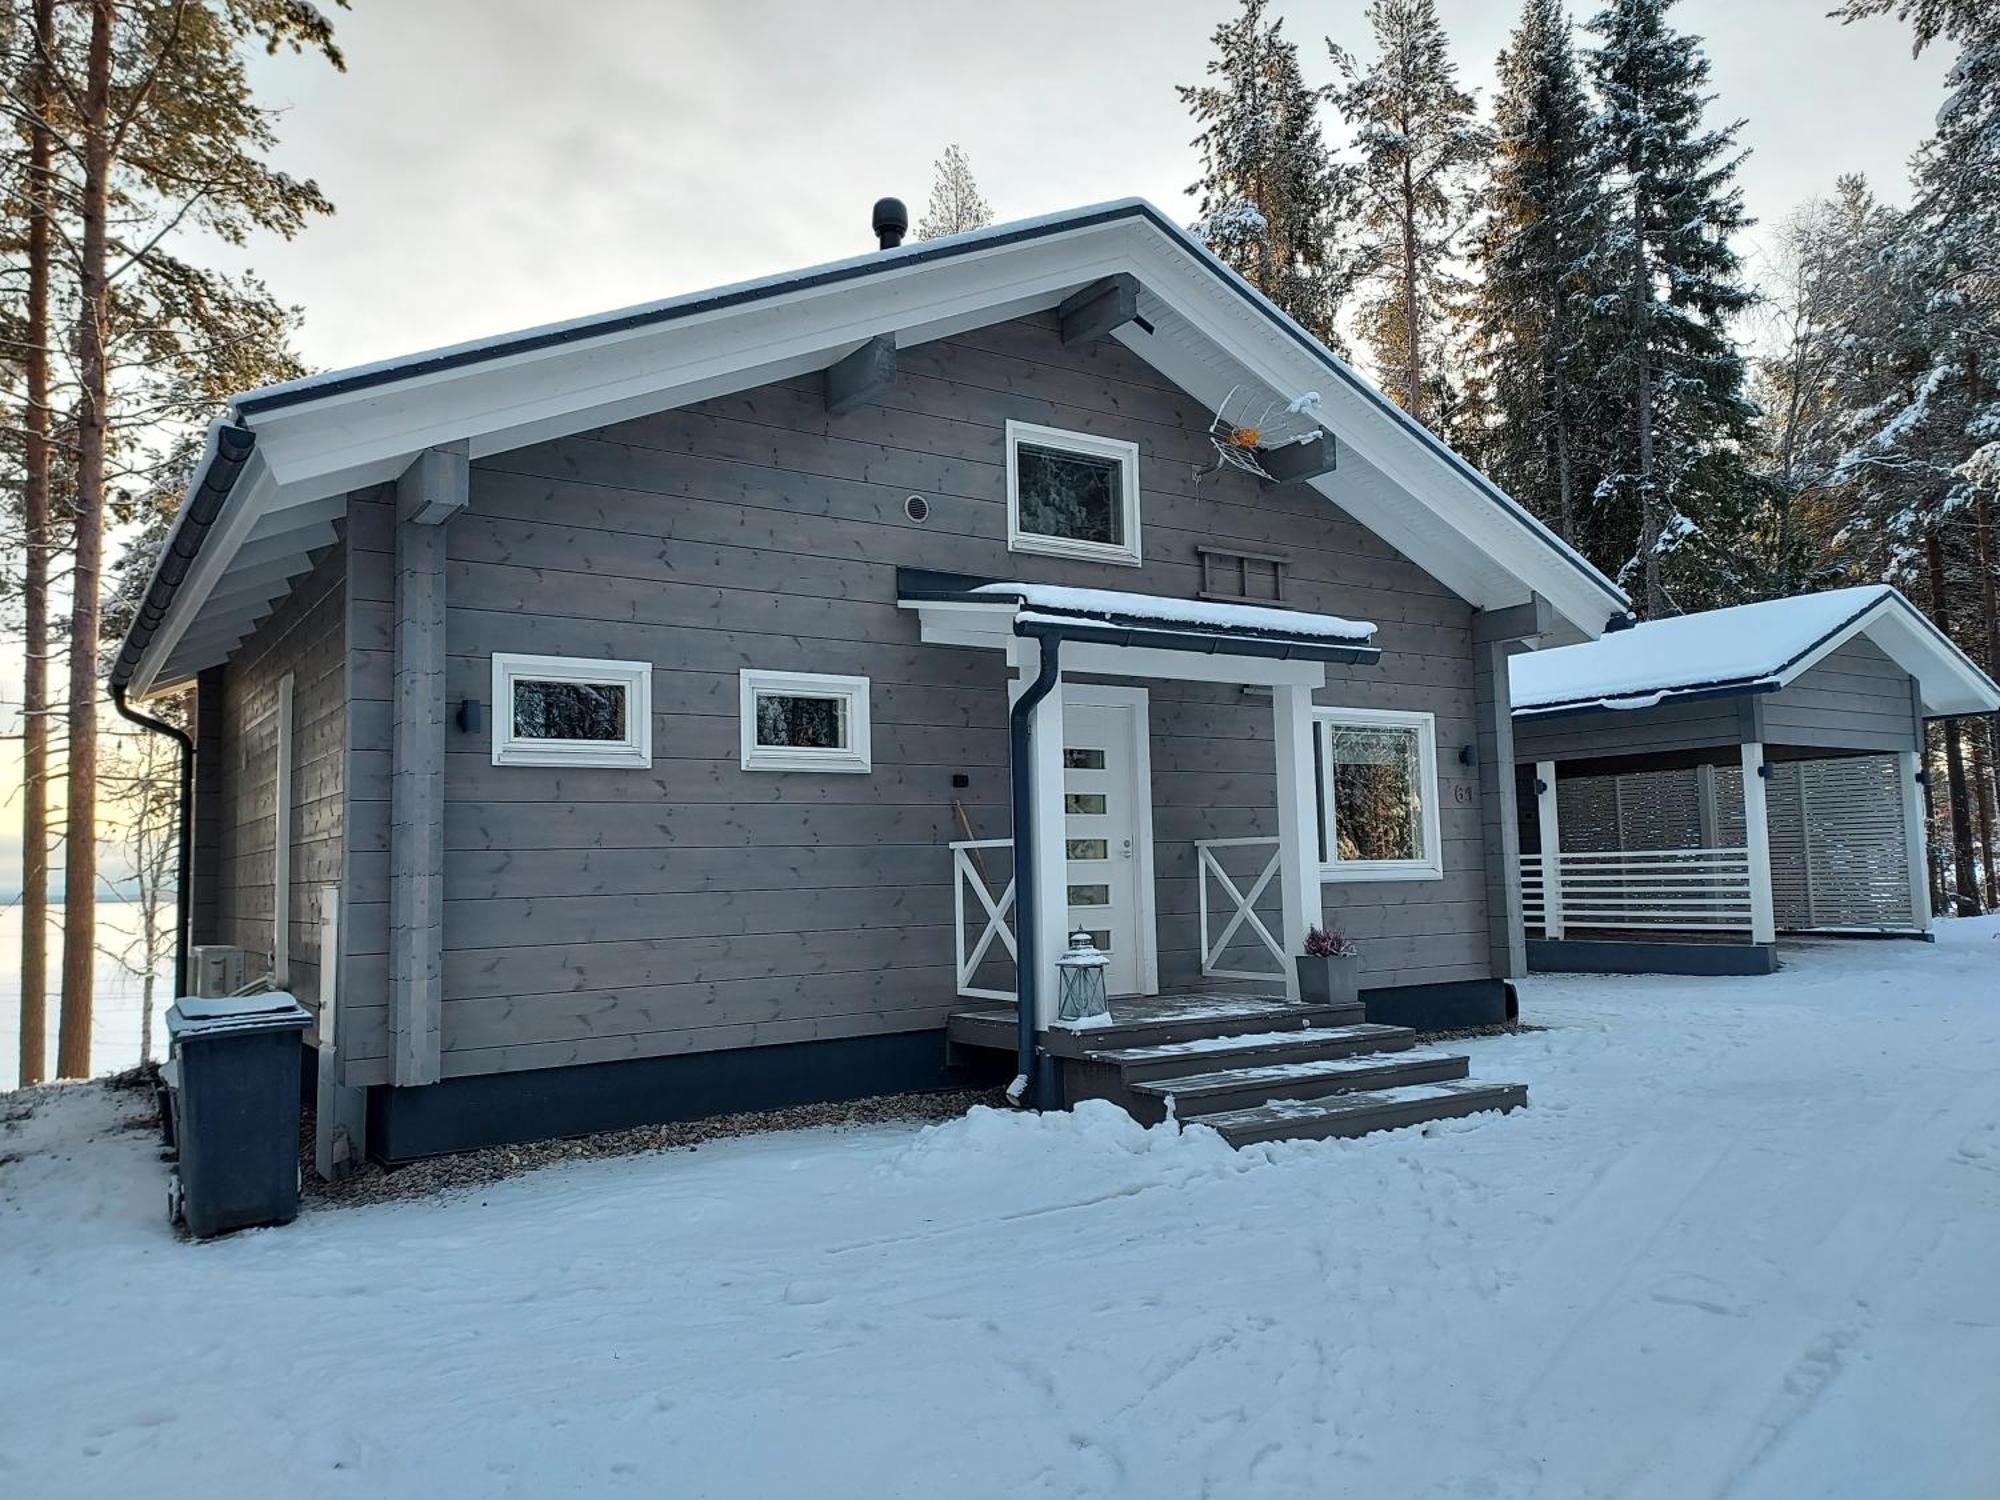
[(1664, 890), (1241, 907), (968, 871)]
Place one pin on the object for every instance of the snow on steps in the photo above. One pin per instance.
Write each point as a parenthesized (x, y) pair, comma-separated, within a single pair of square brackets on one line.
[(1210, 1054), (1287, 1119), (1232, 1089)]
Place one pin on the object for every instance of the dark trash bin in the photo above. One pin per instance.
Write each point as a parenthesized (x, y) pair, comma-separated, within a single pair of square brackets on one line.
[(233, 1071)]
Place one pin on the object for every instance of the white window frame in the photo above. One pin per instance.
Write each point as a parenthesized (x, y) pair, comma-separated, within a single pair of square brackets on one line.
[(635, 751), (856, 758), (1125, 554), (1431, 865)]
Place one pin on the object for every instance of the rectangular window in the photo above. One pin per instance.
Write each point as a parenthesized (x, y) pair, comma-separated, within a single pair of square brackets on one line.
[(804, 721), (1072, 495), (1378, 795), (571, 711)]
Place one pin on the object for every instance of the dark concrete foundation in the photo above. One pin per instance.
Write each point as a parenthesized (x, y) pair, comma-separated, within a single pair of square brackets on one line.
[(1440, 1007), (1577, 956), (497, 1109)]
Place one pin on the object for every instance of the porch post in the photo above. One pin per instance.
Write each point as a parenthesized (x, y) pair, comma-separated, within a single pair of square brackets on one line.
[(1298, 824), (1757, 837), (1916, 844), (1045, 772), (1550, 822)]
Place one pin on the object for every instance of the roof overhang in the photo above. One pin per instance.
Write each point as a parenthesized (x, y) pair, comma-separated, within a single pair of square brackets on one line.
[(1948, 682), (1201, 326)]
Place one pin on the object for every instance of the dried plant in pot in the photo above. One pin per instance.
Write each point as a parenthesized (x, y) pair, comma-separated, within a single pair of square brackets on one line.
[(1329, 969)]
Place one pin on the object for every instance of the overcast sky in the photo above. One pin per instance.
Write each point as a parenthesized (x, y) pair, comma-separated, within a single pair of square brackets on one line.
[(500, 163)]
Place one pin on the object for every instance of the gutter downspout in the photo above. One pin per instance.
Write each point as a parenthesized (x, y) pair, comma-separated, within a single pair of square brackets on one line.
[(185, 742), (1034, 1079)]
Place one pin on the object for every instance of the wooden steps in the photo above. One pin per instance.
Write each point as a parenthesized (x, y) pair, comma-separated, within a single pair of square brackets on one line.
[(1195, 1096), (1286, 1119), (1254, 1068)]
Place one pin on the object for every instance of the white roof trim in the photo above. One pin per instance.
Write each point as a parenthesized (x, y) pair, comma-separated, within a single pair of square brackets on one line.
[(330, 434)]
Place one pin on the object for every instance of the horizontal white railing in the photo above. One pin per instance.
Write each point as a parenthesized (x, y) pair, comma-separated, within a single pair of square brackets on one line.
[(1660, 890), (1241, 908), (991, 915)]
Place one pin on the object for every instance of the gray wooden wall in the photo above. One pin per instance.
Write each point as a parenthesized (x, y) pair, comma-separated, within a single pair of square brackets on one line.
[(303, 636), (1856, 699), (598, 914)]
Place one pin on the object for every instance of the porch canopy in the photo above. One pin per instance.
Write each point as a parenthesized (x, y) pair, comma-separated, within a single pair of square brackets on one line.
[(1733, 774), (1047, 631)]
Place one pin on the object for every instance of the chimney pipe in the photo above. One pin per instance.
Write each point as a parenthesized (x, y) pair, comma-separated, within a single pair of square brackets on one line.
[(891, 221)]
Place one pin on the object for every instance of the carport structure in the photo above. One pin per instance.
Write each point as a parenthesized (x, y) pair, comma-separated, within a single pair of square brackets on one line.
[(1693, 787)]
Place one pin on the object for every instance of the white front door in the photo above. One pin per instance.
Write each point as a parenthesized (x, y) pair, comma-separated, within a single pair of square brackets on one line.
[(1107, 826)]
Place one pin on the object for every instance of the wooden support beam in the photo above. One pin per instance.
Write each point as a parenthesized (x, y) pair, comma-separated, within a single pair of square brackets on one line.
[(1293, 463), (1094, 312), (1300, 891), (432, 490), (1549, 822), (436, 485), (1517, 622), (860, 377), (1757, 838)]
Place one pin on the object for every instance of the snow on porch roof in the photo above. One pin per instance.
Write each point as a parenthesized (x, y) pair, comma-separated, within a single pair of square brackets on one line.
[(1211, 624), (1745, 649)]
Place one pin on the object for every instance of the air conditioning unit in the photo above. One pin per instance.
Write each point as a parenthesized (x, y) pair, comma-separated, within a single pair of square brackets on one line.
[(217, 970)]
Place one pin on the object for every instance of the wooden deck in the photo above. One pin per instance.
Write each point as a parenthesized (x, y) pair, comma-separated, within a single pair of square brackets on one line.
[(1149, 1020)]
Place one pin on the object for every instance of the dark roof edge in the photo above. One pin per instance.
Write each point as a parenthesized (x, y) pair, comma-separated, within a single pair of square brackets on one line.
[(222, 467)]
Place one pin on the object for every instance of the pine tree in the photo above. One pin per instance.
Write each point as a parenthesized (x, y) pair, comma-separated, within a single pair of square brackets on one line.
[(1419, 145), (1269, 193), (1925, 459), (156, 134), (955, 206), (1543, 213), (1668, 282)]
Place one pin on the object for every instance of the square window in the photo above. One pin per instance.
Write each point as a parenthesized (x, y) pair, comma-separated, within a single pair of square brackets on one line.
[(1378, 800), (804, 721), (571, 711), (1072, 495)]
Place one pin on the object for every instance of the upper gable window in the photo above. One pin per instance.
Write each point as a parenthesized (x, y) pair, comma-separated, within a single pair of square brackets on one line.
[(1072, 495), (568, 711)]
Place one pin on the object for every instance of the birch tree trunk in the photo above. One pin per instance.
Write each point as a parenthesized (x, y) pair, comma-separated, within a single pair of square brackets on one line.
[(1413, 364), (80, 848)]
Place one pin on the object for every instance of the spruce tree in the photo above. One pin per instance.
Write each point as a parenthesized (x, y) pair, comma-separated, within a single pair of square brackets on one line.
[(1543, 214), (1419, 146), (1668, 281), (1269, 192), (955, 205)]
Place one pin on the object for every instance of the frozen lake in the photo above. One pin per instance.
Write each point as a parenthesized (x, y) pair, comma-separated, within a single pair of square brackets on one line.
[(115, 1015)]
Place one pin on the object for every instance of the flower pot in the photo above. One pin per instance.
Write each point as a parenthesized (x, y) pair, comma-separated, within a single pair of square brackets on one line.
[(1330, 981)]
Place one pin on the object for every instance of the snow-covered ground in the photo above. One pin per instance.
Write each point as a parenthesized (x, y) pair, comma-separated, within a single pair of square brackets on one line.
[(1745, 1241)]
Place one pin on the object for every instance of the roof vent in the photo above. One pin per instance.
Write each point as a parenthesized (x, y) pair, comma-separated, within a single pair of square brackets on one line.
[(890, 221), (1620, 622)]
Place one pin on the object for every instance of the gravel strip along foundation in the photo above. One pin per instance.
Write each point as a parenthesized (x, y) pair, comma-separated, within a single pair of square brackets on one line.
[(442, 1174)]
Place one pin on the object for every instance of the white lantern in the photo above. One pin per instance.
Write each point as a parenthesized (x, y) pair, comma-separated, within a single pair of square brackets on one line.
[(1081, 1000)]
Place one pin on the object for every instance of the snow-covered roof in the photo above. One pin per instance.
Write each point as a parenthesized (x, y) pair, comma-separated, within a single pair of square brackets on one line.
[(272, 486), (1115, 606), (1745, 649)]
